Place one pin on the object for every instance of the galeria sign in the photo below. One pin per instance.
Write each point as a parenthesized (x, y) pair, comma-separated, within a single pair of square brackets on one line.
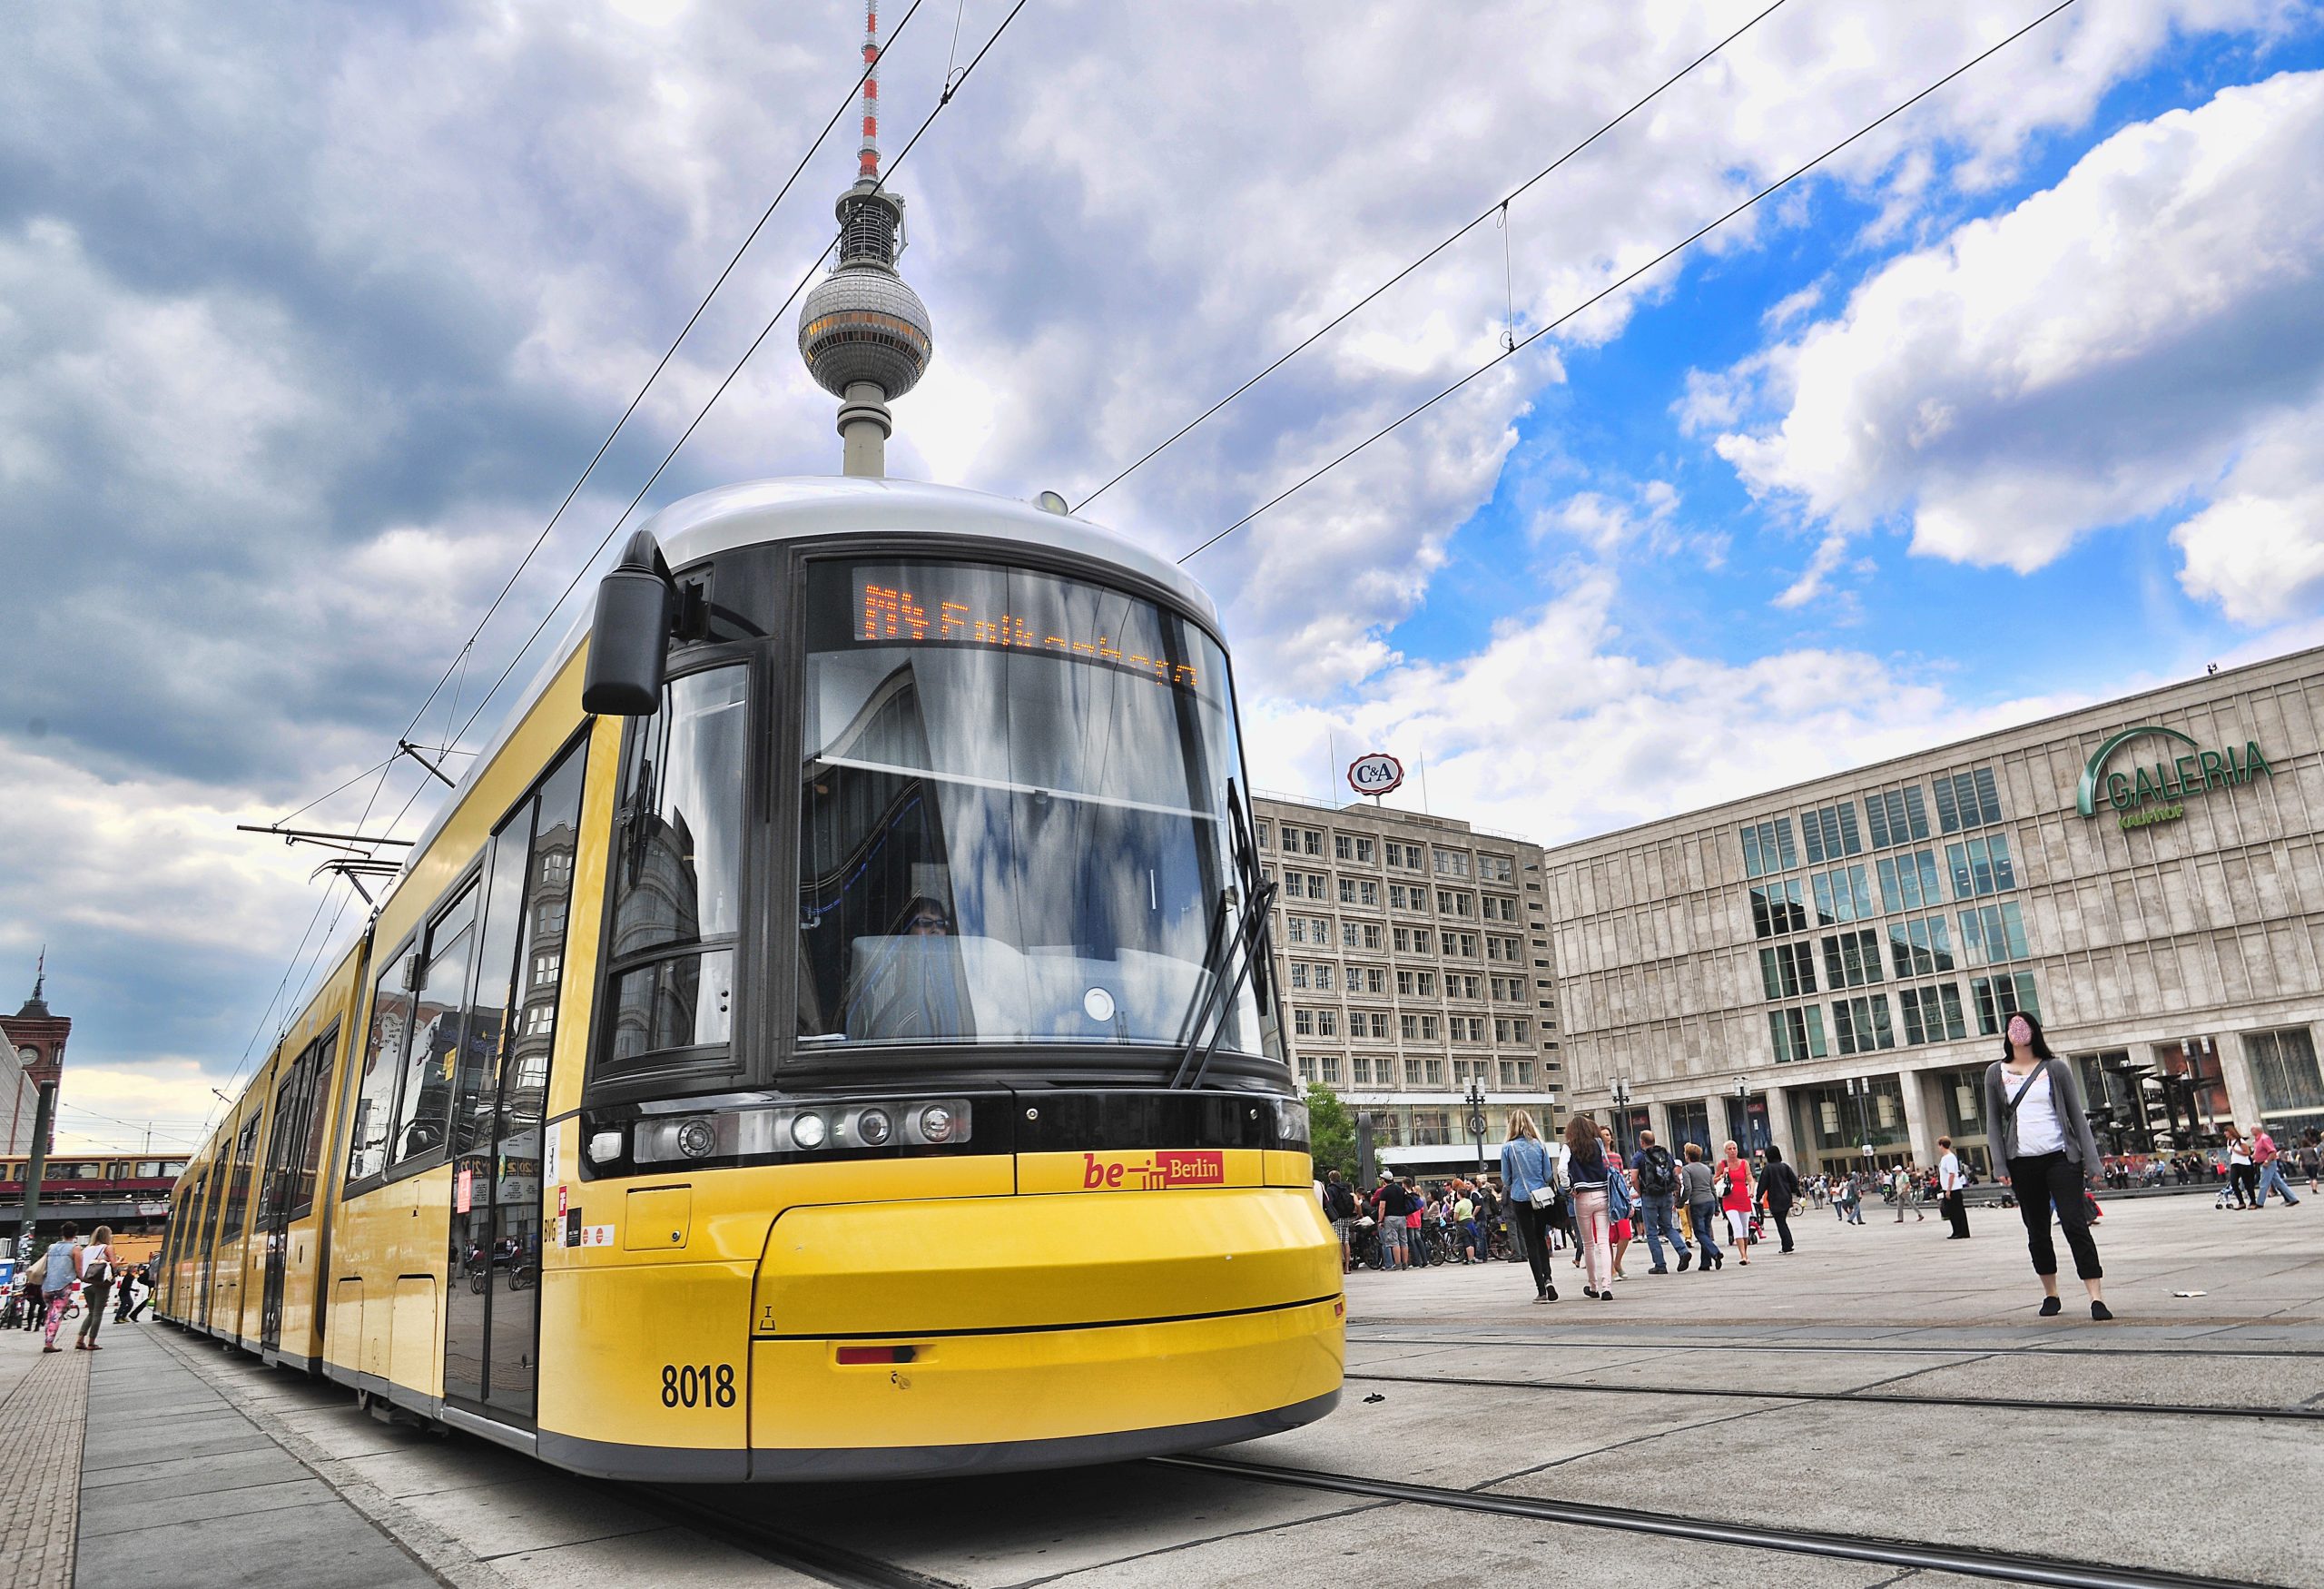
[(2155, 792), (1376, 773)]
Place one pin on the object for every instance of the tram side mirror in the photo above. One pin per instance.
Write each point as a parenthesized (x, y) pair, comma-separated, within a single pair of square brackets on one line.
[(627, 643)]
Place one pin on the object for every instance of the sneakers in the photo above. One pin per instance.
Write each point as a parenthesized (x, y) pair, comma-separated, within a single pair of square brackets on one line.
[(2051, 1306), (1662, 1270)]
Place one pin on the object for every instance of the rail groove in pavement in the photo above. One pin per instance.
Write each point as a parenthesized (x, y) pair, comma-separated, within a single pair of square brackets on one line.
[(1902, 1398), (2053, 1572)]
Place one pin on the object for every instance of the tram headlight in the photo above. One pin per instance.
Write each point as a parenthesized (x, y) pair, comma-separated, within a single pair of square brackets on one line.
[(1291, 1122), (682, 1138), (935, 1123), (808, 1131), (604, 1147), (874, 1127)]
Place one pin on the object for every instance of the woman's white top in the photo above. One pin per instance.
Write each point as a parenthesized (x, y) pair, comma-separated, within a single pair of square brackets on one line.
[(2236, 1154), (2038, 1130)]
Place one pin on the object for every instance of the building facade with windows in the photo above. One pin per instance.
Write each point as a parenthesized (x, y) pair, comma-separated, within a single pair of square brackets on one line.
[(1412, 957), (1829, 966)]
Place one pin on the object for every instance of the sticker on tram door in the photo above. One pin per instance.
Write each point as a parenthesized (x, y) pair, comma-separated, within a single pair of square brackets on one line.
[(1164, 1167)]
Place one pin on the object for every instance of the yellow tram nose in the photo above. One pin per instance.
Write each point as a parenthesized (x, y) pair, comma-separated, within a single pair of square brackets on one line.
[(931, 1337)]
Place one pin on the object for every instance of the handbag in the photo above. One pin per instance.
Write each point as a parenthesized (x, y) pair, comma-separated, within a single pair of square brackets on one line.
[(1545, 1195)]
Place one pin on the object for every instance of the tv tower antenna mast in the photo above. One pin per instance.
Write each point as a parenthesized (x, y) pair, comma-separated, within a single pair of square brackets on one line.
[(865, 334)]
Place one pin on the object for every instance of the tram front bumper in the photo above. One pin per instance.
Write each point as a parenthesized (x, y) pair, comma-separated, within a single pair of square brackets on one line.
[(981, 1333)]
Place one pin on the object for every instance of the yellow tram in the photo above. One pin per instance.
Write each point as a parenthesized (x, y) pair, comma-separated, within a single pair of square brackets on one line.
[(848, 1049)]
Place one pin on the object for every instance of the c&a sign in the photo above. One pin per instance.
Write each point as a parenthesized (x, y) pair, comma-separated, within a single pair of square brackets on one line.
[(2155, 792)]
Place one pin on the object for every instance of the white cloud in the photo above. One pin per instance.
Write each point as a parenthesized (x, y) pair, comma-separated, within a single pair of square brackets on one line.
[(2108, 349)]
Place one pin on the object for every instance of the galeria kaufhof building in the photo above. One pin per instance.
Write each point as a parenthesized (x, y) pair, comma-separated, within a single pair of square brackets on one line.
[(1829, 966)]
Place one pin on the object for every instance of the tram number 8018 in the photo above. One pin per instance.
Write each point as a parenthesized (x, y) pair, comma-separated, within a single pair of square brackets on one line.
[(711, 1384)]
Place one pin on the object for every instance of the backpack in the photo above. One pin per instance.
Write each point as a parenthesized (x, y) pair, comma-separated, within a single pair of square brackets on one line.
[(1656, 1175), (1343, 1201)]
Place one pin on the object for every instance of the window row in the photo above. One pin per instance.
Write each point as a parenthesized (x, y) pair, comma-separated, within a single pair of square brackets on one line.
[(1893, 817), (1380, 1073), (1981, 866), (1933, 1013)]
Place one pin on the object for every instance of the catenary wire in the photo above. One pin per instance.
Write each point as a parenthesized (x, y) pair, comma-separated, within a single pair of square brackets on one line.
[(485, 700), (772, 320), (1622, 281), (626, 414), (1459, 233)]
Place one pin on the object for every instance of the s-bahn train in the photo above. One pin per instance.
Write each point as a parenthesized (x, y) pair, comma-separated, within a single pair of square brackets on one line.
[(92, 1178), (828, 1032)]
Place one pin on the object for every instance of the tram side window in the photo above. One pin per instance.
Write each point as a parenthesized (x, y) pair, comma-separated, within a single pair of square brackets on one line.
[(367, 1135), (238, 1192), (301, 1195), (678, 877), (439, 1020)]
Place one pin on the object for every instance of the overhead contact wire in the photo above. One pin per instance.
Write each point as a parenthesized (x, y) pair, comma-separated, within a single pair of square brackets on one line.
[(765, 332), (1456, 235), (626, 414), (1622, 281)]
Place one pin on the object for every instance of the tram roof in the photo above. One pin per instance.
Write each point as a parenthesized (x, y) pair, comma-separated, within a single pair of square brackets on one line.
[(793, 507)]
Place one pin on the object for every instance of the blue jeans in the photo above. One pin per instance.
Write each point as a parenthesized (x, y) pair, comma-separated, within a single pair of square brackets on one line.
[(1707, 1218), (1660, 1222), (2272, 1174)]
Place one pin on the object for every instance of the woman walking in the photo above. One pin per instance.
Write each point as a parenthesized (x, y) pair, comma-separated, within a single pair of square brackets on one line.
[(1734, 1199), (2243, 1168), (1589, 1168), (1527, 1172), (2045, 1137), (1779, 1189), (1621, 1201), (96, 1280)]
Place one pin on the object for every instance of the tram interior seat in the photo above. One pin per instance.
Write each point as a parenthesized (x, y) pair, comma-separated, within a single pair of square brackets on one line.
[(908, 986)]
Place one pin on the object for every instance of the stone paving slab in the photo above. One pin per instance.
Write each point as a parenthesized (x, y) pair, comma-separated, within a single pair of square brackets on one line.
[(1433, 1549), (202, 1497), (45, 1415)]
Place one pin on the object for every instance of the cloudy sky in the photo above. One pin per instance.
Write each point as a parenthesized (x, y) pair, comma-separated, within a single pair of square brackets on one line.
[(310, 315)]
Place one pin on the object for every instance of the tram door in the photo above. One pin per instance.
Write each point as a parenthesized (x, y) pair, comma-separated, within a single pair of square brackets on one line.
[(272, 1228), (278, 1193), (491, 1311)]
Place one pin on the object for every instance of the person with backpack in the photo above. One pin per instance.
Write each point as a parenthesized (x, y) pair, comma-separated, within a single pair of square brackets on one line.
[(1657, 1185), (1339, 1206), (59, 1267), (1390, 1206), (96, 1280), (1530, 1175), (1779, 1189)]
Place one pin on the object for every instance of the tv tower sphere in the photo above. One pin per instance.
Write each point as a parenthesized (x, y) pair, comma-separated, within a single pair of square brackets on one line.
[(861, 324), (863, 333)]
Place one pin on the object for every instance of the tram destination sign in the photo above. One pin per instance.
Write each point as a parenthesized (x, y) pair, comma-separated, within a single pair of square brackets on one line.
[(1376, 773), (2157, 792)]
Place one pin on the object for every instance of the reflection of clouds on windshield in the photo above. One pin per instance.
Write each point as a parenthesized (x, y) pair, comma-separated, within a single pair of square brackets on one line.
[(1068, 813)]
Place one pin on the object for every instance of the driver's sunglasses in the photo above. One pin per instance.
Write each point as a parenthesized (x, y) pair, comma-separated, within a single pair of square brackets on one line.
[(917, 922)]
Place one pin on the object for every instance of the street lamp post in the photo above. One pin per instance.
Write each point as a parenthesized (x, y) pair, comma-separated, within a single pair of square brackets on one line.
[(1743, 1108), (1860, 1090), (1620, 1095), (1476, 1101)]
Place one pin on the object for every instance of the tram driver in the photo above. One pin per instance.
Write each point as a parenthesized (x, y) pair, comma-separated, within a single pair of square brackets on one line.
[(908, 985)]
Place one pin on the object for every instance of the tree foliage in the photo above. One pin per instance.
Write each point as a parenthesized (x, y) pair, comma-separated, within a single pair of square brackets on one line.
[(1332, 1132)]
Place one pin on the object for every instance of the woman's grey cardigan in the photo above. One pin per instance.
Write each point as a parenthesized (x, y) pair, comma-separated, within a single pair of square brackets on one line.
[(2065, 1097)]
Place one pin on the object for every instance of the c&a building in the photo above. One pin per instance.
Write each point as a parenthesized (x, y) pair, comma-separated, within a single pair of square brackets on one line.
[(1829, 966)]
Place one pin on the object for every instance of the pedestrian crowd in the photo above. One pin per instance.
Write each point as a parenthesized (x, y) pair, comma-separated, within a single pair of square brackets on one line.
[(72, 1278), (1694, 1210)]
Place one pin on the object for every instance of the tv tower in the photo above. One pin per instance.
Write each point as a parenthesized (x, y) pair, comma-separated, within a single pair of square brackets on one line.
[(863, 333)]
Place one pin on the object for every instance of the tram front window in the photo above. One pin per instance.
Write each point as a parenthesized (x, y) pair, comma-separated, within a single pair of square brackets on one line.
[(1014, 823)]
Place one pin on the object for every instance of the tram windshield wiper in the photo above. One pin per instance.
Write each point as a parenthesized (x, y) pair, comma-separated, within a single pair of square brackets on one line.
[(1238, 949)]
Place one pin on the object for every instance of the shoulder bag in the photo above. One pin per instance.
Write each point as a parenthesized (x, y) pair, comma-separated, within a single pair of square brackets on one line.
[(1545, 1195)]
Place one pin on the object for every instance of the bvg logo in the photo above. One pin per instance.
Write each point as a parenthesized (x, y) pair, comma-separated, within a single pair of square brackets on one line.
[(1166, 1166)]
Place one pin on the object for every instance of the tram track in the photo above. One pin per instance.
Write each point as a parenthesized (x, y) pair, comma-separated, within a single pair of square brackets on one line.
[(814, 1558), (1868, 1396), (1967, 1561), (1820, 1348)]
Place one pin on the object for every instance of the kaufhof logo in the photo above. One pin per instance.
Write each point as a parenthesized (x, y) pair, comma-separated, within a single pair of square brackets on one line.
[(1166, 1167), (2158, 792)]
